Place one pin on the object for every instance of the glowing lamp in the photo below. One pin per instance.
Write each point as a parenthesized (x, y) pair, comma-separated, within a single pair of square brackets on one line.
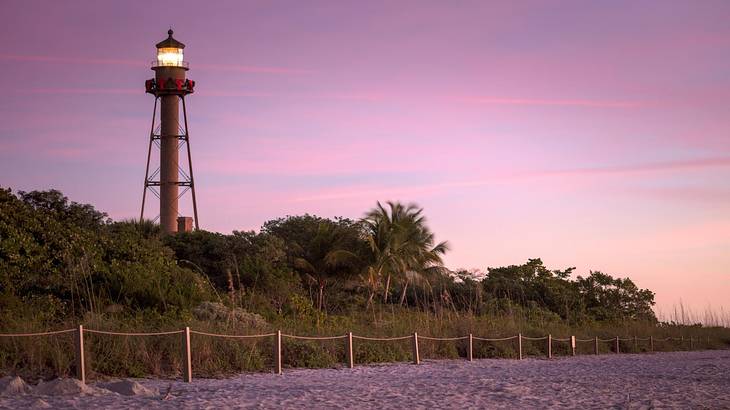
[(170, 56), (170, 53)]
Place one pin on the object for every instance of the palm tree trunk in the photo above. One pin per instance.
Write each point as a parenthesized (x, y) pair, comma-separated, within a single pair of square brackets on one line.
[(387, 289), (403, 294), (415, 298)]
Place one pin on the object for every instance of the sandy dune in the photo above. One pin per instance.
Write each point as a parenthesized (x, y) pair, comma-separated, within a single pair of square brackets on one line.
[(674, 380)]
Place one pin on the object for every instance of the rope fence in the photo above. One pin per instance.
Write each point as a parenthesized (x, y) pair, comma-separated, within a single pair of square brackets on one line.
[(414, 338), (104, 332), (534, 338), (381, 339), (55, 332), (314, 337), (502, 339), (444, 339), (232, 336)]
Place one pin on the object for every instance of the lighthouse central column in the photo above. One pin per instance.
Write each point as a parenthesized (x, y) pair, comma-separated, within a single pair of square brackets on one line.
[(169, 130)]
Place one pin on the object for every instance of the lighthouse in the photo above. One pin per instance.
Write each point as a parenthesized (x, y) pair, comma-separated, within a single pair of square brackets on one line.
[(170, 181)]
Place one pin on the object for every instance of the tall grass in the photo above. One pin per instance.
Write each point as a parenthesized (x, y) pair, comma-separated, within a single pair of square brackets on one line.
[(712, 317), (160, 356)]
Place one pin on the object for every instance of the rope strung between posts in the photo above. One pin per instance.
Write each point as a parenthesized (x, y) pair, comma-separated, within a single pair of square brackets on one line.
[(104, 332), (314, 337), (233, 336), (55, 332), (495, 340), (377, 339), (534, 338), (443, 338), (382, 339)]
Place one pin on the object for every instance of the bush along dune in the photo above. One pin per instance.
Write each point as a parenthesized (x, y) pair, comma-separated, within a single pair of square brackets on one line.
[(63, 263)]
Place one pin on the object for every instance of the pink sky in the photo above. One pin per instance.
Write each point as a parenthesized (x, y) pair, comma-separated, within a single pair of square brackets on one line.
[(589, 134)]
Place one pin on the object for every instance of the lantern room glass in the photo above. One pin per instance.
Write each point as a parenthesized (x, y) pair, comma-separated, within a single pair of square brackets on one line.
[(169, 56)]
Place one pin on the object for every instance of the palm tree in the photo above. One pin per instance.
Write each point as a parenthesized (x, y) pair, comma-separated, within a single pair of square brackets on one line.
[(400, 241), (325, 256)]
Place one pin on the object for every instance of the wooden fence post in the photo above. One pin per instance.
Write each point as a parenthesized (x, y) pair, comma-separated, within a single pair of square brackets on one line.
[(350, 357), (651, 343), (519, 344), (636, 344), (572, 345), (595, 345), (550, 346), (691, 344), (470, 353), (277, 353), (80, 362), (681, 343), (618, 348), (416, 357), (187, 365)]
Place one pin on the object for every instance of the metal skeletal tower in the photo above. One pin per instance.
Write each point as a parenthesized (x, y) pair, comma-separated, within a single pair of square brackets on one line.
[(170, 88)]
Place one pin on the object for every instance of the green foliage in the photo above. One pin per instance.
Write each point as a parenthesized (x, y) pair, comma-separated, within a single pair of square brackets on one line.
[(297, 353), (533, 289), (252, 267), (302, 310), (379, 352), (321, 250), (60, 259), (483, 350), (608, 298)]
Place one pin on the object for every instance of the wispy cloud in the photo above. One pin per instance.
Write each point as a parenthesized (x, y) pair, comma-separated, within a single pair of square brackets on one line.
[(648, 167), (72, 60), (336, 97), (251, 69), (140, 63), (83, 91), (709, 194), (507, 176), (365, 96), (379, 97), (205, 93), (548, 102), (242, 94)]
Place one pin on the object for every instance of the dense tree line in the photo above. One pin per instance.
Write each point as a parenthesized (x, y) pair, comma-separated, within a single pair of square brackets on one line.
[(62, 259)]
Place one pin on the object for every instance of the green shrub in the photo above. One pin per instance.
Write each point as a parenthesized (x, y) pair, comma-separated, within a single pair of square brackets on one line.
[(310, 354)]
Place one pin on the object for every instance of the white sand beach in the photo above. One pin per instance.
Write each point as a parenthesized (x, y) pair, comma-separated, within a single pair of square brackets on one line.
[(634, 381)]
